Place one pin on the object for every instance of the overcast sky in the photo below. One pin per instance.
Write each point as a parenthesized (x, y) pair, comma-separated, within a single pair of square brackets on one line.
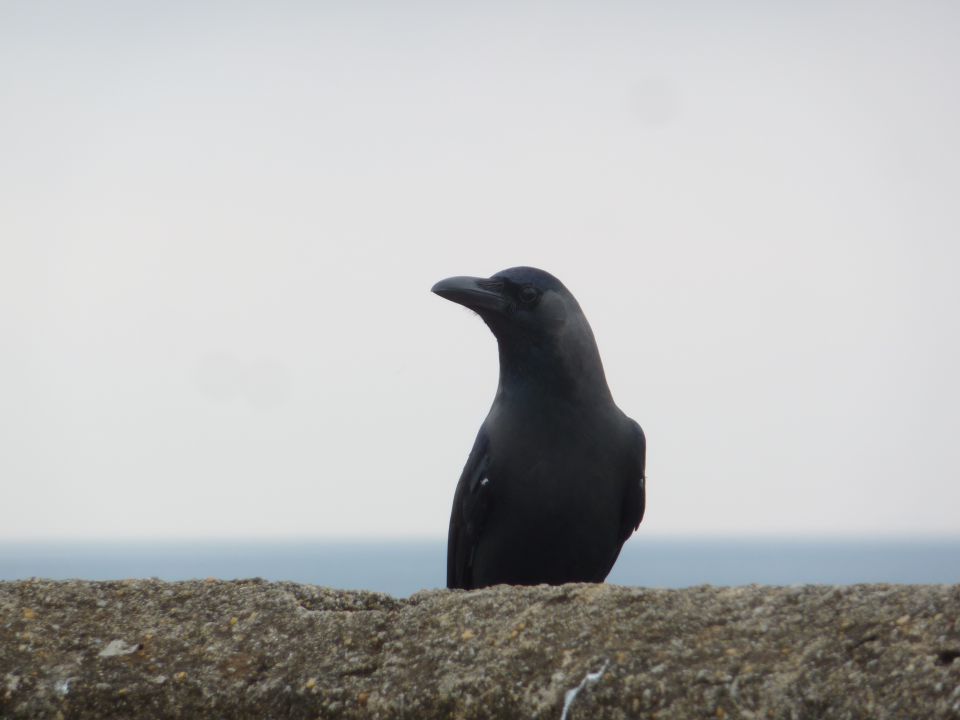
[(219, 224)]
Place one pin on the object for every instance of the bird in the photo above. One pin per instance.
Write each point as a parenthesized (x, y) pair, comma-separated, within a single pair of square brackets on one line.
[(555, 482)]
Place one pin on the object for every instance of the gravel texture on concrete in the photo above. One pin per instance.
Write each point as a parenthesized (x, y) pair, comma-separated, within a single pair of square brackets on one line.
[(254, 649)]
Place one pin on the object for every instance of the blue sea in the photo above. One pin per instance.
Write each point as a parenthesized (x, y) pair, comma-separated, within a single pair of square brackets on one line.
[(403, 567)]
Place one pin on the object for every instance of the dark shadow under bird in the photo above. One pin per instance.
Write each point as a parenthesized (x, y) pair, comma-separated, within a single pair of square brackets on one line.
[(554, 484)]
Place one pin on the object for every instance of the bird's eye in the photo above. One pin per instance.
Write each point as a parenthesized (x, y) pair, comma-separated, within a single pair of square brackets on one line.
[(528, 294)]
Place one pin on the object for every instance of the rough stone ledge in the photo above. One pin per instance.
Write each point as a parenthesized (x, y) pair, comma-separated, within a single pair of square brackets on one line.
[(253, 649)]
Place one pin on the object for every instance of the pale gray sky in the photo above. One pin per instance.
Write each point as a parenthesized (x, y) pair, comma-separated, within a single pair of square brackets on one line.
[(219, 224)]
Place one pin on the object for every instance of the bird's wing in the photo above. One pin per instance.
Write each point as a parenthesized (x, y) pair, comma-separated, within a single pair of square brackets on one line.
[(635, 499), (471, 504)]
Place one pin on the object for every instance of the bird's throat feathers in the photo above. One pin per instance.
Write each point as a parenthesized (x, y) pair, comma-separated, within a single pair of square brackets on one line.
[(563, 365)]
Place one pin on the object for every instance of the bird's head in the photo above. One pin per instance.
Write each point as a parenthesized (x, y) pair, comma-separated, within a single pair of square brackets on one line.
[(538, 323), (516, 303)]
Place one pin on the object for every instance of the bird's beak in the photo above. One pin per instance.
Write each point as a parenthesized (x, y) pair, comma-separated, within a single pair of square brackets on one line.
[(475, 293)]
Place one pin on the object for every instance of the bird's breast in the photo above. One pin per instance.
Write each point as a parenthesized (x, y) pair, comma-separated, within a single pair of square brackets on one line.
[(560, 450)]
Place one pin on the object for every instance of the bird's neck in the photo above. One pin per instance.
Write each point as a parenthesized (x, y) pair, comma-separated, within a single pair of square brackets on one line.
[(565, 369)]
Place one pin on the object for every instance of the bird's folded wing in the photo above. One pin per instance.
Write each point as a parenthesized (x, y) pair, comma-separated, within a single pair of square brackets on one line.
[(471, 504), (635, 498)]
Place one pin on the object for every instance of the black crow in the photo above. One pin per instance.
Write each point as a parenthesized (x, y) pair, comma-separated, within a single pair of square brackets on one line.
[(554, 484)]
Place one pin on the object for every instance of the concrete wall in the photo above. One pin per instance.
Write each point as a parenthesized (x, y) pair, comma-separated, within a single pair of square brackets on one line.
[(252, 649)]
